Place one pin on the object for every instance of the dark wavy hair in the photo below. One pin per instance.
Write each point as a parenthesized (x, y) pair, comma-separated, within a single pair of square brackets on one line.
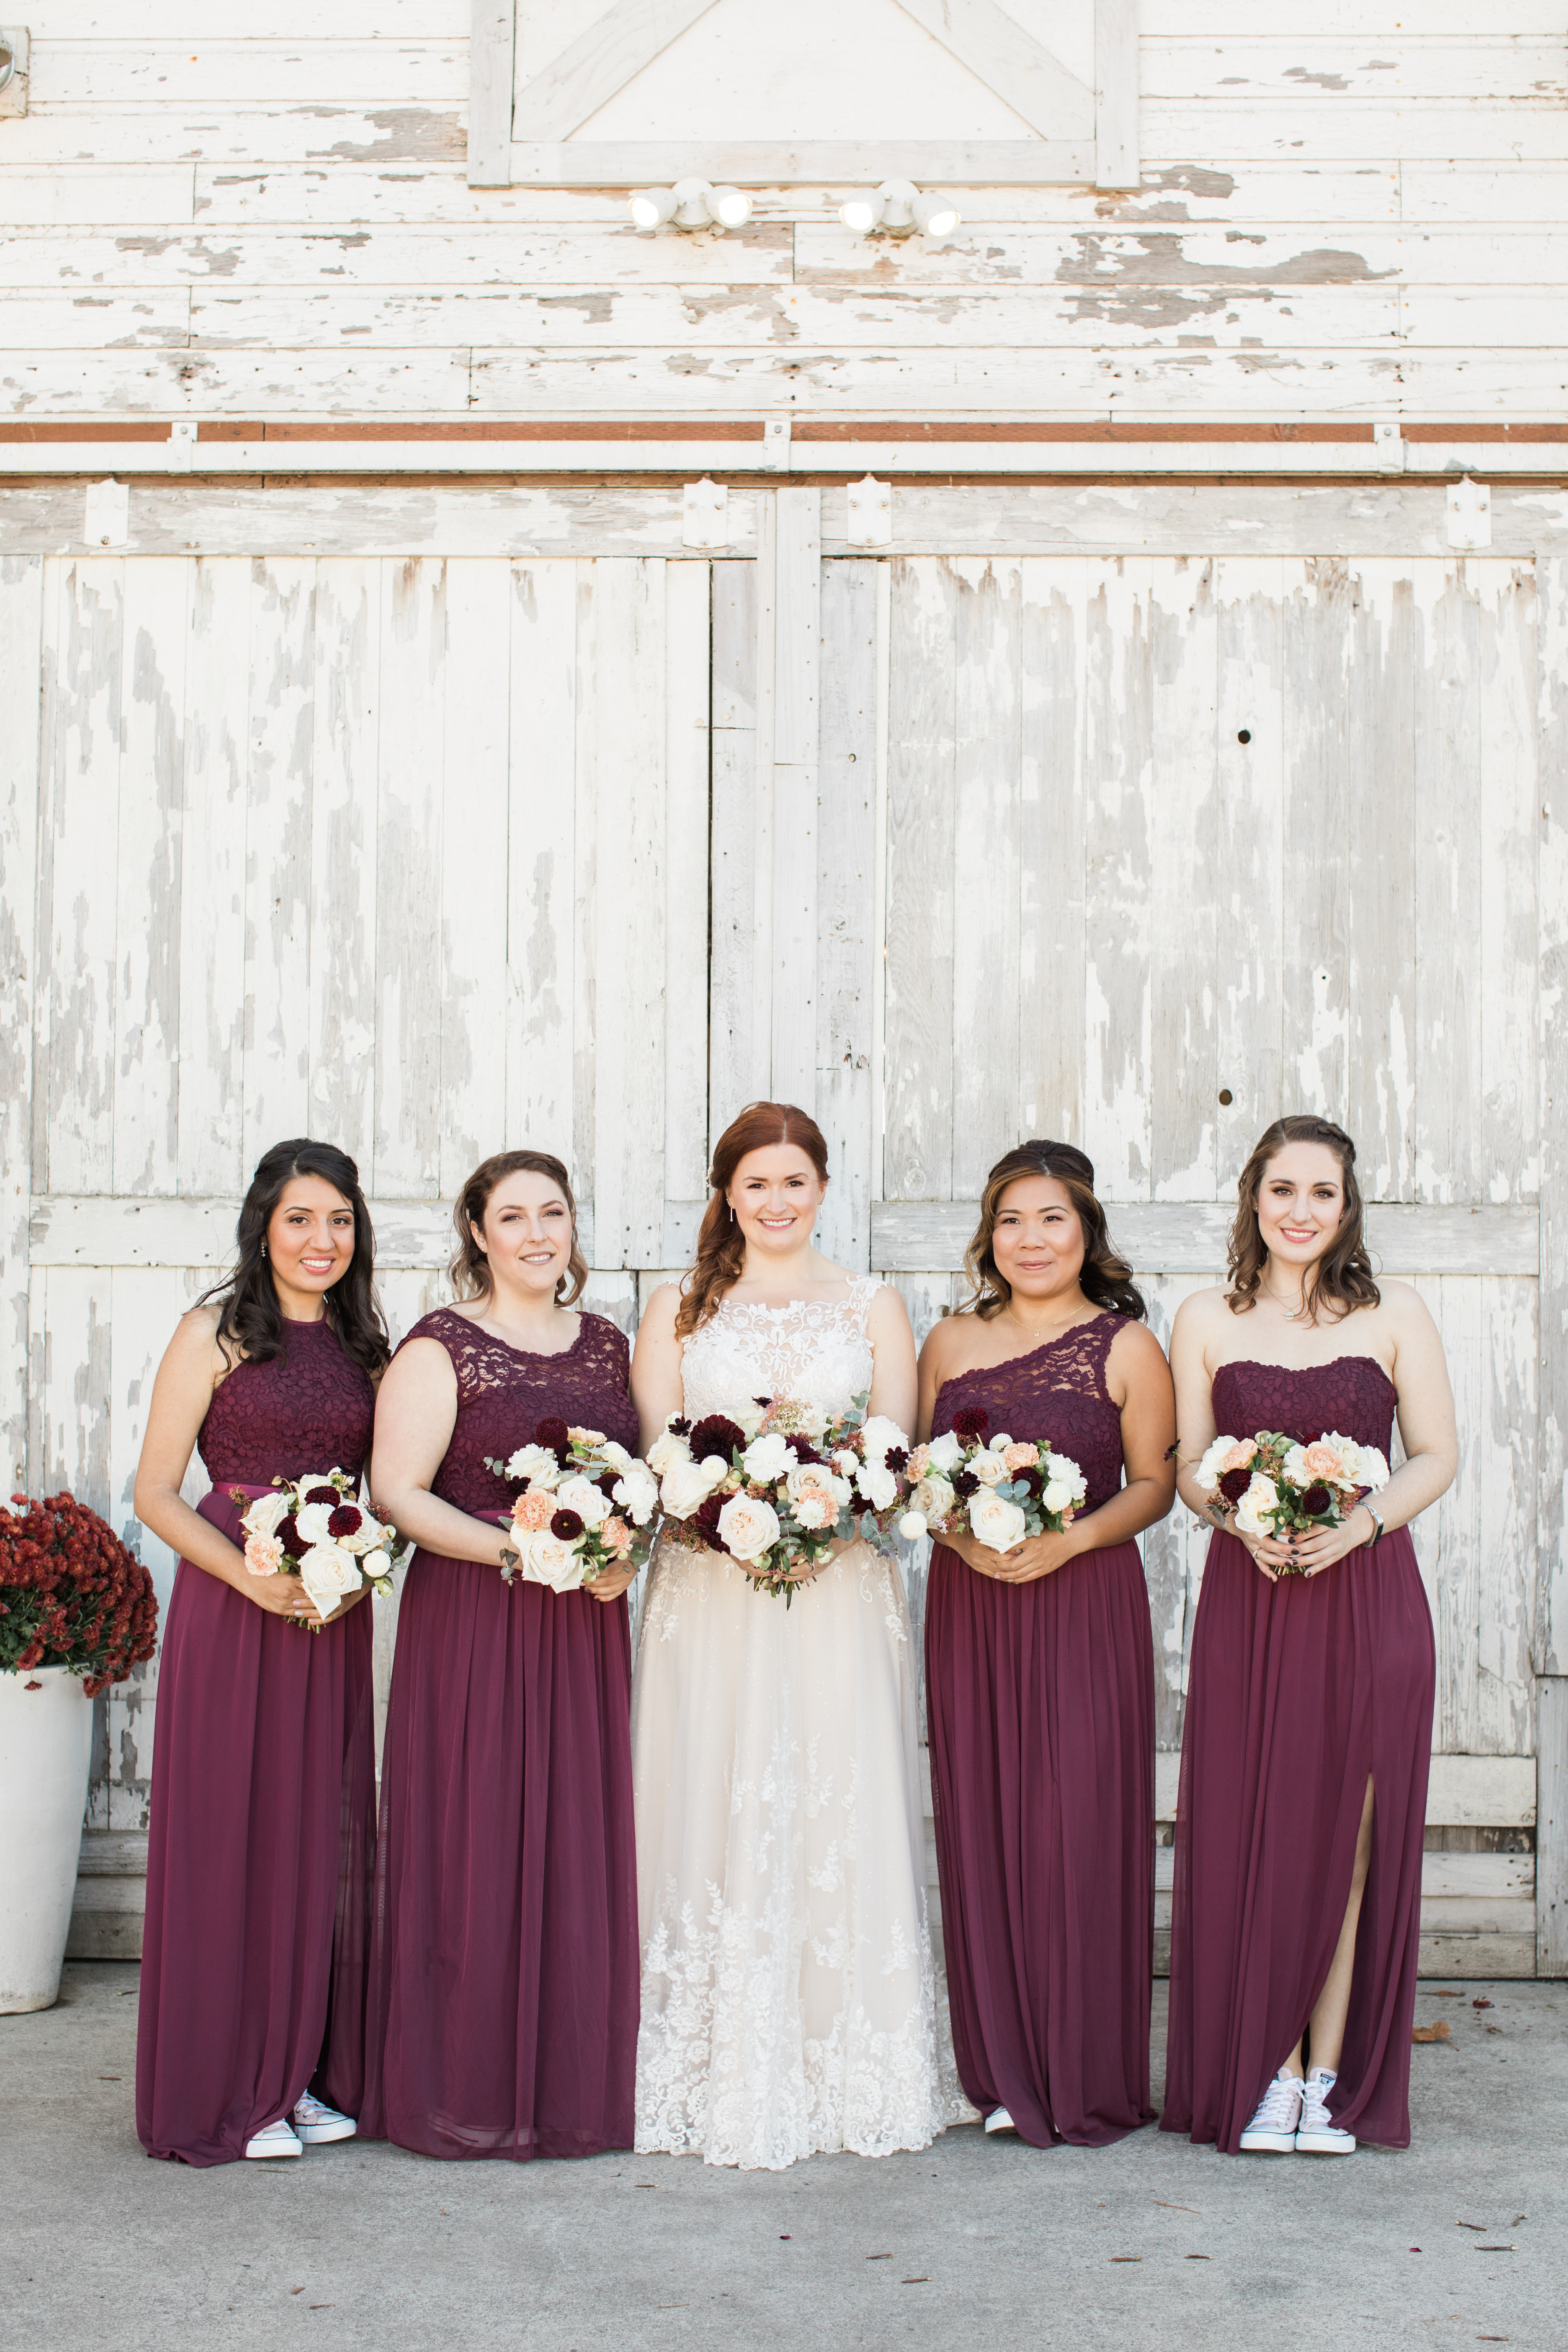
[(1106, 1279), (1342, 1277), (250, 1326), (470, 1268), (721, 1244)]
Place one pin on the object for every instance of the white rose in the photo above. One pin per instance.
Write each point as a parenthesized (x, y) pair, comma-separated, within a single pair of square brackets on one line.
[(1255, 1512), (879, 1435), (314, 1521), (946, 1452), (878, 1486), (615, 1458), (543, 1559), (912, 1526), (1206, 1476), (537, 1464), (749, 1526), (665, 1450), (748, 1417), (638, 1494), (996, 1522), (327, 1571), (846, 1463), (989, 1468), (932, 1497), (687, 1484), (1062, 1471), (1372, 1470), (261, 1517), (580, 1494), (1000, 1445), (369, 1536), (766, 1458)]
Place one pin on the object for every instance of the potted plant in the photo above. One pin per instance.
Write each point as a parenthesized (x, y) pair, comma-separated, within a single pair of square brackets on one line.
[(77, 1613)]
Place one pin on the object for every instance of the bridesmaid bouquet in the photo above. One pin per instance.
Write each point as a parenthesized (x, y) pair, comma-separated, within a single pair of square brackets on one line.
[(999, 1490), (585, 1506), (313, 1528), (1277, 1484), (775, 1484)]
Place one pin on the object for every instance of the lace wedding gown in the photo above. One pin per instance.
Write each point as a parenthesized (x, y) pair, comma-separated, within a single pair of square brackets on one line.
[(788, 1996)]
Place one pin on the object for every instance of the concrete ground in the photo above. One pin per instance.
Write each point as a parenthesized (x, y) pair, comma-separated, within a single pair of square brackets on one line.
[(1462, 2239)]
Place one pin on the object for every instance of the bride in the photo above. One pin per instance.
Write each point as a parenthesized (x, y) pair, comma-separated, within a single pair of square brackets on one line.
[(787, 1990)]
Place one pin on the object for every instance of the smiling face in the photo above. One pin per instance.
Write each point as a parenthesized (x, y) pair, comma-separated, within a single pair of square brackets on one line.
[(527, 1234), (1300, 1203), (776, 1194), (1037, 1241), (310, 1242)]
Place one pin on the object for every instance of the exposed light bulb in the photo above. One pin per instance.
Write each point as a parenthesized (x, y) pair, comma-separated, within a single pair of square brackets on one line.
[(862, 214), (935, 215), (651, 208), (729, 207)]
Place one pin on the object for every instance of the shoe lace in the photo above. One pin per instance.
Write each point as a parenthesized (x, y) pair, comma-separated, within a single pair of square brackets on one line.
[(307, 2107), (1315, 2098), (1277, 2108)]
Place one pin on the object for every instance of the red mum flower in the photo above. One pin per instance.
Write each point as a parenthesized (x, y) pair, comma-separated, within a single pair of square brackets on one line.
[(1234, 1484), (346, 1520), (973, 1421), (328, 1494), (287, 1533), (1316, 1501), (567, 1525), (552, 1435), (716, 1434), (965, 1484)]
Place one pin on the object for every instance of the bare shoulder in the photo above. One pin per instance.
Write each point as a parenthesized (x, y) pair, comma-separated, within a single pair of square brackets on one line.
[(949, 1344), (1135, 1350), (1199, 1314), (887, 1311), (195, 1338), (659, 1314), (1403, 1311)]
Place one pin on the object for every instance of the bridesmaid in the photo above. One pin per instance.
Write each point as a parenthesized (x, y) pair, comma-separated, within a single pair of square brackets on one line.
[(503, 2005), (263, 1769), (1303, 1794), (1039, 1671)]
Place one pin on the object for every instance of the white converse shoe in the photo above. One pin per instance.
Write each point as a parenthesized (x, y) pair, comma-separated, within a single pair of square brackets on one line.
[(1272, 2131), (1317, 2136), (1000, 2120), (315, 2121), (277, 2139)]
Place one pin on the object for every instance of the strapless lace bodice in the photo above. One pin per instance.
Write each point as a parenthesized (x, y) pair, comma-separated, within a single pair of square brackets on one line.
[(814, 1350)]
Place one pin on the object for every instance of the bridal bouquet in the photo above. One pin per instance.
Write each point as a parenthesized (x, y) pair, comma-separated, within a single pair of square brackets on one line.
[(1277, 1484), (313, 1528), (774, 1484), (586, 1505), (999, 1490)]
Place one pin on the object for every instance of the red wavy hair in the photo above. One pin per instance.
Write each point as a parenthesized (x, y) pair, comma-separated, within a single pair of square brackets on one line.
[(721, 1244)]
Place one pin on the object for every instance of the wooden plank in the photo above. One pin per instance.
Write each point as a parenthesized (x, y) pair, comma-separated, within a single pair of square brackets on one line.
[(738, 593), (588, 72), (474, 887), (1551, 1607), (687, 695), (998, 50), (847, 947), (1184, 932), (491, 37), (1335, 75), (1319, 633), (280, 789), (1510, 1072), (86, 195), (1263, 126), (920, 947), (21, 657), (794, 989), (1449, 822), (1117, 71), (540, 855), (759, 1082), (756, 163), (409, 851), (1384, 946), (1448, 1538), (1508, 1451), (79, 943), (97, 1231), (245, 134), (1189, 1237), (212, 878), (151, 814), (172, 74), (1052, 948), (1174, 1549), (1249, 869), (986, 882), (1552, 1832), (345, 760), (1118, 758)]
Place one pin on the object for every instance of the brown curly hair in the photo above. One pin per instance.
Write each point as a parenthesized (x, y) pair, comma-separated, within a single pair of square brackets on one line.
[(470, 1268), (1343, 1277), (721, 1244), (1106, 1279)]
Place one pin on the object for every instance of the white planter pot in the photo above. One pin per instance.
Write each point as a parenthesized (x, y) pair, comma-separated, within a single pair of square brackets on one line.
[(45, 1745)]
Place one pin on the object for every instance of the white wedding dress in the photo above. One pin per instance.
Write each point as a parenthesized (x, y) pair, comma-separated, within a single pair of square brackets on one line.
[(788, 1996)]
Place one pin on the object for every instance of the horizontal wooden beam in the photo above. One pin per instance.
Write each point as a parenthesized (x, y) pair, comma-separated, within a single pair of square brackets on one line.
[(835, 163), (1169, 1237)]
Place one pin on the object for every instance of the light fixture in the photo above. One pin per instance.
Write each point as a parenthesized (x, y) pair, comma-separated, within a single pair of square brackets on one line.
[(898, 209), (691, 203), (7, 61)]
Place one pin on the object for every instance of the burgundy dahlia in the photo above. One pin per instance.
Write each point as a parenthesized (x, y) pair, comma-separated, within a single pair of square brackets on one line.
[(1316, 1501), (328, 1494), (287, 1533), (567, 1525), (715, 1434), (965, 1484), (552, 1435), (973, 1421), (346, 1520), (1234, 1484)]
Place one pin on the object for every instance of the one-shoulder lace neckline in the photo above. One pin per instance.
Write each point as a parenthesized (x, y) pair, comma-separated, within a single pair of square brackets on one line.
[(1006, 1363)]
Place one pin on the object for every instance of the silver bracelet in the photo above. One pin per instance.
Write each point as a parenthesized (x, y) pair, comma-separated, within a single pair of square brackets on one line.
[(1377, 1518)]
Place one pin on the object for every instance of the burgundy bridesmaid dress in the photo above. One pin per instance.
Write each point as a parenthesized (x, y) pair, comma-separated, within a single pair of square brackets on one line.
[(1040, 1707), (503, 2003), (1299, 1691), (259, 1862)]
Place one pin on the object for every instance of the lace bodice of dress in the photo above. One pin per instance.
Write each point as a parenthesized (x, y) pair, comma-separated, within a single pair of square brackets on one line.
[(1351, 1395), (504, 1392), (814, 1350), (1056, 1391), (309, 1409)]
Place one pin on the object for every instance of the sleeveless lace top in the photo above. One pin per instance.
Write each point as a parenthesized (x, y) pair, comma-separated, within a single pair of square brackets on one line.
[(1353, 1394), (310, 1408), (814, 1349), (1056, 1391), (503, 1393)]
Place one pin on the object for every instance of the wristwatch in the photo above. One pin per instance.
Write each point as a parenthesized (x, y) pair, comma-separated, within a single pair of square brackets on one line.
[(1375, 1515)]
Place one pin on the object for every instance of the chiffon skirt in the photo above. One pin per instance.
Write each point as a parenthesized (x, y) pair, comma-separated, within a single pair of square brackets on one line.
[(1040, 1716), (258, 1867), (503, 2003), (1301, 1691)]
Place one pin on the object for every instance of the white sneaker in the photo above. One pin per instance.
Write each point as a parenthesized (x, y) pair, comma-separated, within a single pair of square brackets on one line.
[(1318, 2135), (1000, 2120), (275, 2140), (315, 2121), (1272, 2131)]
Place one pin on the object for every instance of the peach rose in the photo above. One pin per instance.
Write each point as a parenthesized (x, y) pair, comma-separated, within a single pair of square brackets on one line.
[(1321, 1459), (749, 1526)]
